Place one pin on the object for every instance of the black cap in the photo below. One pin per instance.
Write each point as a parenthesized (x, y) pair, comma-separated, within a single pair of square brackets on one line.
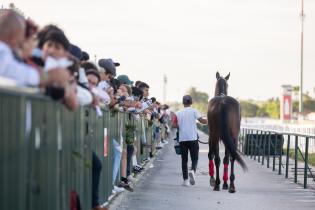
[(75, 51), (187, 99), (85, 56), (108, 64)]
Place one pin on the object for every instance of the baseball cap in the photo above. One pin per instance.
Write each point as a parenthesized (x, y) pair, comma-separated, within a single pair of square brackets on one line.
[(109, 65), (187, 99), (85, 56), (124, 79), (75, 51)]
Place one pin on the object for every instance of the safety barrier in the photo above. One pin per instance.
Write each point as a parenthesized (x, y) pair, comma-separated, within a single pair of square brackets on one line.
[(46, 151), (280, 150), (266, 145)]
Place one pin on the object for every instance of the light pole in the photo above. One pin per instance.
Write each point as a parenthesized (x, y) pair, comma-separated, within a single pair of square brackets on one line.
[(302, 51)]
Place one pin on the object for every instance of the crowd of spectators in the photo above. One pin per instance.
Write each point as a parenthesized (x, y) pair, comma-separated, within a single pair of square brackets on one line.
[(45, 59)]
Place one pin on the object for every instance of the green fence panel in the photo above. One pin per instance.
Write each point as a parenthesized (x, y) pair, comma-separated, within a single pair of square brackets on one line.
[(137, 144), (46, 151), (13, 148), (44, 157), (114, 135)]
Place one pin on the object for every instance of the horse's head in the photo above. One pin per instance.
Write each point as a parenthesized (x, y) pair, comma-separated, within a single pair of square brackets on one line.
[(221, 86)]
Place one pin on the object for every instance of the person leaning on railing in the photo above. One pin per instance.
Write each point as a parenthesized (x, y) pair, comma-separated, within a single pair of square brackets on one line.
[(12, 36), (62, 71), (16, 43)]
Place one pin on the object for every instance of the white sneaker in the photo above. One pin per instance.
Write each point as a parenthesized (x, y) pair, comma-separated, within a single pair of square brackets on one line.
[(161, 145), (192, 177), (186, 183), (118, 189), (131, 179)]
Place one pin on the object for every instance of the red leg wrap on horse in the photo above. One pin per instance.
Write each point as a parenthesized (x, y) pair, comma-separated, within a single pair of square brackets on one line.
[(226, 172), (211, 167)]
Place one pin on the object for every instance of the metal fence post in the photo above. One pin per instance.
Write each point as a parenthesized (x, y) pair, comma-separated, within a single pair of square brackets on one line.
[(288, 158), (251, 144), (264, 148), (274, 153), (255, 144), (268, 160), (280, 154), (306, 162), (259, 136), (247, 138), (295, 158)]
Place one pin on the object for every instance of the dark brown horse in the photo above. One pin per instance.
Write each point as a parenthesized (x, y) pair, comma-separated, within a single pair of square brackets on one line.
[(224, 119)]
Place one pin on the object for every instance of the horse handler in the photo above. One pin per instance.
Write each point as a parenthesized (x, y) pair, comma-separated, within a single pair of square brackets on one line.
[(188, 138)]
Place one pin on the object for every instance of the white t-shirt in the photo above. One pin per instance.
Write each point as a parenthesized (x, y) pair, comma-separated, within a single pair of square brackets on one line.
[(104, 85), (187, 124)]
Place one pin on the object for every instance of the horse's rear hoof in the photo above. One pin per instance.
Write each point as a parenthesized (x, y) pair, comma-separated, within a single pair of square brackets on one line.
[(212, 181), (216, 188), (225, 186), (232, 189)]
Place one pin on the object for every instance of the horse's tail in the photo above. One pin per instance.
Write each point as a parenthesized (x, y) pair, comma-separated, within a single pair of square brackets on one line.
[(227, 138)]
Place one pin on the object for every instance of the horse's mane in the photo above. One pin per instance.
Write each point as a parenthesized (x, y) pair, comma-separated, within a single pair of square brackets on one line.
[(220, 87)]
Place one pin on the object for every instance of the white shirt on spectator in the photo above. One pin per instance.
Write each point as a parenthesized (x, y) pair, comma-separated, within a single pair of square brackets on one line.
[(104, 85), (187, 124), (10, 68)]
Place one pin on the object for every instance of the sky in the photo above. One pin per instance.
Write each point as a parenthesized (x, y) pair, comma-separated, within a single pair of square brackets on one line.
[(257, 41)]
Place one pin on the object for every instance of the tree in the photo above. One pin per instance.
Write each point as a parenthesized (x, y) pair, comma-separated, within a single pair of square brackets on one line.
[(198, 96), (248, 109), (200, 99), (308, 102), (273, 108)]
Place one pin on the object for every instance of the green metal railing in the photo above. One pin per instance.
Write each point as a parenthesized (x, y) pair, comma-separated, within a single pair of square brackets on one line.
[(46, 151), (274, 147)]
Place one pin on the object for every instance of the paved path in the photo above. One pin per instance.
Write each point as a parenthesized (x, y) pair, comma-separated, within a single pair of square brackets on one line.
[(160, 188)]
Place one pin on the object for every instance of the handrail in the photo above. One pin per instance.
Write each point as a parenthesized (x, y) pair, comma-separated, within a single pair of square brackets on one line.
[(279, 132)]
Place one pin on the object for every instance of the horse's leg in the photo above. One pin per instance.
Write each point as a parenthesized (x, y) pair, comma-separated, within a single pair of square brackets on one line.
[(217, 166), (211, 164), (232, 177), (226, 170)]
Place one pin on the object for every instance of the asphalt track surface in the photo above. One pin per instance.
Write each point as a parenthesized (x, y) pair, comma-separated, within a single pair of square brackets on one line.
[(160, 188)]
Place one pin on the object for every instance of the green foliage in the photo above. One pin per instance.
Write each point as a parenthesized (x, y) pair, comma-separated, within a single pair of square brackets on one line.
[(309, 104), (270, 108), (249, 109), (311, 157), (200, 99), (129, 133), (198, 96)]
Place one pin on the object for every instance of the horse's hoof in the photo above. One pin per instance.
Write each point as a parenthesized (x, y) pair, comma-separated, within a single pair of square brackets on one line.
[(225, 186), (216, 188), (212, 181), (232, 189)]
